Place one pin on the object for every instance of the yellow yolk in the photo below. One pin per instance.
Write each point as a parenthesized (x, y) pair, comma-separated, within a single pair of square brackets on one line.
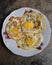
[(31, 41), (29, 25), (14, 30)]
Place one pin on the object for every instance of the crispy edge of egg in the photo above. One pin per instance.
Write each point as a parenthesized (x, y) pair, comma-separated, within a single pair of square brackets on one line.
[(7, 28)]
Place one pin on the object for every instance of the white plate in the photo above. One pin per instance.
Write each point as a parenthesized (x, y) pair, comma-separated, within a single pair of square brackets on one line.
[(11, 44)]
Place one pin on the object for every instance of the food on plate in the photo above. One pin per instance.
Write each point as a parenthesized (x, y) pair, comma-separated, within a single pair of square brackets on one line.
[(33, 22), (13, 28), (27, 29), (29, 42)]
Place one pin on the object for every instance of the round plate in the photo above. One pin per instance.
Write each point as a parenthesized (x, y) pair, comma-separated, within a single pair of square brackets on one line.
[(11, 44)]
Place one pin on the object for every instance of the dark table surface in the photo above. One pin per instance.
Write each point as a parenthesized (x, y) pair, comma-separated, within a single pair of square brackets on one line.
[(8, 58)]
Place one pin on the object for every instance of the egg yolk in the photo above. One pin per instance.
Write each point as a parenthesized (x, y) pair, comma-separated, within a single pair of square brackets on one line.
[(14, 30), (31, 41), (29, 25)]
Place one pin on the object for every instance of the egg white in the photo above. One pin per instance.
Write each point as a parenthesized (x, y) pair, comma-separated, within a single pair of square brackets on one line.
[(16, 28), (35, 16), (23, 44)]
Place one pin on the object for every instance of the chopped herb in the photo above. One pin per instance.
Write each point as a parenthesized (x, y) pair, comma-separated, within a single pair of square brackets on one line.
[(22, 44)]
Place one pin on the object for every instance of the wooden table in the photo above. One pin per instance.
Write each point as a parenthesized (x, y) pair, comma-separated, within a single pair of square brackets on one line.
[(8, 58)]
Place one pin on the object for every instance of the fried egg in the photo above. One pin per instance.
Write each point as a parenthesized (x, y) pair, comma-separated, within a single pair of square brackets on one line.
[(29, 43), (33, 22), (13, 28), (28, 25)]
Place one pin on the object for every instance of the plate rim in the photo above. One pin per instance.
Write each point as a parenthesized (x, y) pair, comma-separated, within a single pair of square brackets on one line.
[(9, 16)]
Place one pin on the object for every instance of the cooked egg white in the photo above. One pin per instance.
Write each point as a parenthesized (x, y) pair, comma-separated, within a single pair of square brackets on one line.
[(30, 42), (13, 29), (39, 38), (34, 22)]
